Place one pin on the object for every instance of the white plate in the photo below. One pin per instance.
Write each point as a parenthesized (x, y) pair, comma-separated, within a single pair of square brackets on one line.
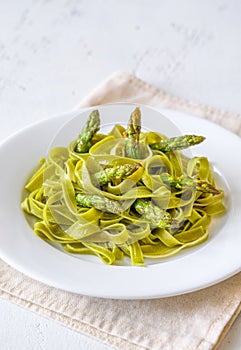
[(211, 262)]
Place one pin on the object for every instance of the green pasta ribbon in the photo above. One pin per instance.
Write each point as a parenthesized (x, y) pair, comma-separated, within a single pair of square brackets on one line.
[(58, 217)]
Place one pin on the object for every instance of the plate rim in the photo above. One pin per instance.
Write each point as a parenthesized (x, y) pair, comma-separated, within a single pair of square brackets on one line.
[(133, 294)]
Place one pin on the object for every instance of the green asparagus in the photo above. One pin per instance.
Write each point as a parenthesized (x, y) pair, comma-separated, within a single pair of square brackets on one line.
[(132, 135), (177, 143), (100, 203), (151, 212), (91, 127), (115, 174), (186, 181)]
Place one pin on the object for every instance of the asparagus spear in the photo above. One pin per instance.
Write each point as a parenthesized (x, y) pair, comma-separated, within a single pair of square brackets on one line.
[(132, 134), (116, 173), (90, 129), (177, 143), (186, 181), (151, 212), (100, 203)]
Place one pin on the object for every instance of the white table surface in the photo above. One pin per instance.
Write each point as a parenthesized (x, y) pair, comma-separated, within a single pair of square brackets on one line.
[(52, 53)]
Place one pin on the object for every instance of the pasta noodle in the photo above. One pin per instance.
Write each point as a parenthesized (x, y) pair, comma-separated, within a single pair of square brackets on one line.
[(53, 190)]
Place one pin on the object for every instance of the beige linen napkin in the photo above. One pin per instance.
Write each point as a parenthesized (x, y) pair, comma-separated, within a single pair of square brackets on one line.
[(195, 321)]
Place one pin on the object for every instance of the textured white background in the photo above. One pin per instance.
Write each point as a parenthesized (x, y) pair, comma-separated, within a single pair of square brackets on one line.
[(52, 53)]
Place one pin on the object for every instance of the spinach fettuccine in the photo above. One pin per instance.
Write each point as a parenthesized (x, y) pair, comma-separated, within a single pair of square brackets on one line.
[(125, 193)]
